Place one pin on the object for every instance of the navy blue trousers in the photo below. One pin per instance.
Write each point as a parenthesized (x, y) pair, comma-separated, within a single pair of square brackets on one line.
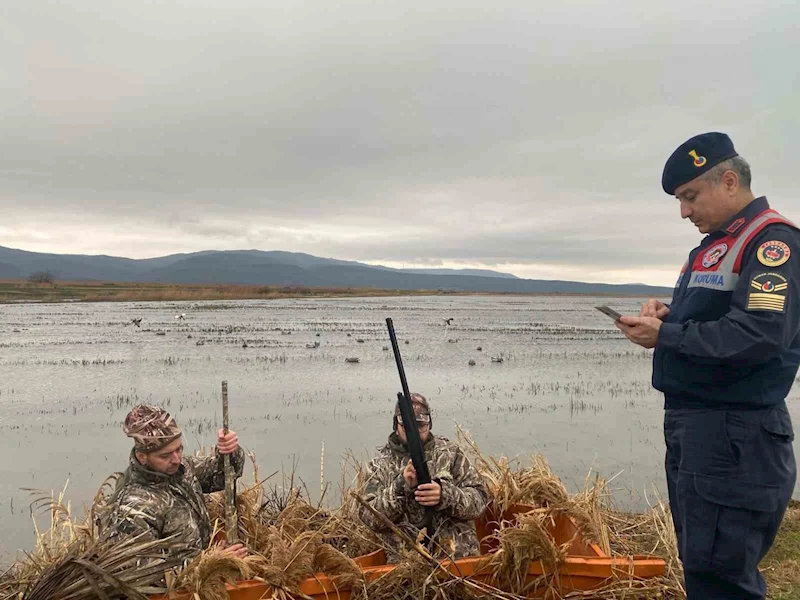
[(730, 476)]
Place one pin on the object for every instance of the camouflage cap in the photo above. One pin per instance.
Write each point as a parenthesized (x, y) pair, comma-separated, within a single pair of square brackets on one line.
[(422, 410), (151, 428)]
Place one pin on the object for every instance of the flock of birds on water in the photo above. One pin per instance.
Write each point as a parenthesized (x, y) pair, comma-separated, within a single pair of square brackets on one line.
[(449, 321)]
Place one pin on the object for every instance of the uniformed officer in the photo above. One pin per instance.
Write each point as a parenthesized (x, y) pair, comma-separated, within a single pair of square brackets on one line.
[(726, 354)]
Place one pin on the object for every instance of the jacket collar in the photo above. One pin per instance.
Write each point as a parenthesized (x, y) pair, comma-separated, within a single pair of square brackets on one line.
[(736, 224), (141, 474), (398, 446)]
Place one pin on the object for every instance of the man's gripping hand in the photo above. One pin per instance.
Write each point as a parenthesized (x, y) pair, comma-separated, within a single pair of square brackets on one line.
[(228, 443)]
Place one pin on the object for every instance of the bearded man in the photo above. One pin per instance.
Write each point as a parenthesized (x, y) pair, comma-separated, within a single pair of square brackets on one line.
[(160, 494)]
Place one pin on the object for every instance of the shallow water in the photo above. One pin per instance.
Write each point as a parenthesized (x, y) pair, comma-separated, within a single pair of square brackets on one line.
[(570, 386)]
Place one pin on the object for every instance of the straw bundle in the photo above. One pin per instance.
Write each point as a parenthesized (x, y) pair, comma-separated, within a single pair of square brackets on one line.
[(292, 545), (529, 539), (537, 485), (128, 569), (208, 573), (507, 486), (341, 567), (650, 533)]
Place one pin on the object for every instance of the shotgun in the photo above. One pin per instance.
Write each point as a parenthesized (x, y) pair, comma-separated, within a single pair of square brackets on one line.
[(412, 432)]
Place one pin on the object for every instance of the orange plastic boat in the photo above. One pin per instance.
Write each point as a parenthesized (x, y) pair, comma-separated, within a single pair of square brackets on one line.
[(586, 567)]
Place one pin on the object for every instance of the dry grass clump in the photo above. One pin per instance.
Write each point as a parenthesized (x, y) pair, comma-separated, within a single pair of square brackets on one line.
[(530, 538), (509, 486), (589, 509), (537, 485), (290, 560), (207, 574), (291, 539), (131, 569), (71, 562), (632, 589), (417, 577), (650, 533), (286, 507), (413, 578), (333, 562)]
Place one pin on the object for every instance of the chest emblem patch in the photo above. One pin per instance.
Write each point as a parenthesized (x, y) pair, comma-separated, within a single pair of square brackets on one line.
[(773, 253), (714, 254), (767, 291)]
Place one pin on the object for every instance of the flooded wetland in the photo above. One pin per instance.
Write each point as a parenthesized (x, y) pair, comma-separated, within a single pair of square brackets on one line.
[(551, 375)]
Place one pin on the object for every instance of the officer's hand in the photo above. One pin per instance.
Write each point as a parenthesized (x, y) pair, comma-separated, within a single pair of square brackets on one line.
[(428, 494), (654, 308), (410, 475), (238, 550), (227, 444), (640, 330)]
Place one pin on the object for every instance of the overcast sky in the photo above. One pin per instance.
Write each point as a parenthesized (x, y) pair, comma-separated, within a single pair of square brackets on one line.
[(527, 137)]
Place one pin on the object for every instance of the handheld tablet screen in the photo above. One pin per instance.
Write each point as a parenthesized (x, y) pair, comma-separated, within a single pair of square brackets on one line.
[(609, 311)]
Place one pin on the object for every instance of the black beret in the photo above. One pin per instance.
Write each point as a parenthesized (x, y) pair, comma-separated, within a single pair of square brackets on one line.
[(694, 157)]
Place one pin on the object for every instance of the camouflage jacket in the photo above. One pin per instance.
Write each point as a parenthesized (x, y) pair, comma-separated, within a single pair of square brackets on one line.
[(464, 496), (155, 505)]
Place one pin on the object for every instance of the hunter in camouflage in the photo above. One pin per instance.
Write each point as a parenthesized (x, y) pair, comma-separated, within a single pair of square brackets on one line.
[(160, 495), (457, 492)]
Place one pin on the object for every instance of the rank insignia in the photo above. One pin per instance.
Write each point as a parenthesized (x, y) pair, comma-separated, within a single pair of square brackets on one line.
[(735, 226), (773, 253), (767, 291)]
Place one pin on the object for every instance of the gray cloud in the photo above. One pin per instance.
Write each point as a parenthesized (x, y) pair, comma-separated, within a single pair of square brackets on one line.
[(460, 133)]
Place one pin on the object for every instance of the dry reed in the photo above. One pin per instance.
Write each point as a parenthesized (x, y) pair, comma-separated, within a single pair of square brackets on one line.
[(529, 539), (207, 574), (290, 539)]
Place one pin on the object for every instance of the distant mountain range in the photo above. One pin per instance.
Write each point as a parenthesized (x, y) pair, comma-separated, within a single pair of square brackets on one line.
[(277, 268)]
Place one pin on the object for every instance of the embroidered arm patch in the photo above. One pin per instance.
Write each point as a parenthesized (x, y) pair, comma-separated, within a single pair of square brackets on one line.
[(767, 291)]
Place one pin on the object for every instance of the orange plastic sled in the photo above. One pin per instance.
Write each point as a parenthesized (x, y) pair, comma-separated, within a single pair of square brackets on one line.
[(586, 567)]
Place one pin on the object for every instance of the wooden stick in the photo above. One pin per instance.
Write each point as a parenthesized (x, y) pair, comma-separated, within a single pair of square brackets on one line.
[(231, 522)]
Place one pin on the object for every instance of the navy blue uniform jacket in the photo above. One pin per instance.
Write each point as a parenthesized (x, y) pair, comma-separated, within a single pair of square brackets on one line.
[(731, 337)]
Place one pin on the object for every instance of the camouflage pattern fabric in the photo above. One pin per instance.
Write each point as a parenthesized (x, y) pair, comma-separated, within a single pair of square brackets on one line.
[(155, 505), (464, 497), (422, 410), (150, 427)]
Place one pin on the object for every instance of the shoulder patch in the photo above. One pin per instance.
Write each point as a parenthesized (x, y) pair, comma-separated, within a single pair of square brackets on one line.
[(773, 253), (767, 291)]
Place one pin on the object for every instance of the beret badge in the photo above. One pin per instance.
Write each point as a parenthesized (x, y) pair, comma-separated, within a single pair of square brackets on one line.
[(699, 161)]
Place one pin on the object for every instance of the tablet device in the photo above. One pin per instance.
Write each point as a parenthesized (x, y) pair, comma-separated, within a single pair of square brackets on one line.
[(609, 311)]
